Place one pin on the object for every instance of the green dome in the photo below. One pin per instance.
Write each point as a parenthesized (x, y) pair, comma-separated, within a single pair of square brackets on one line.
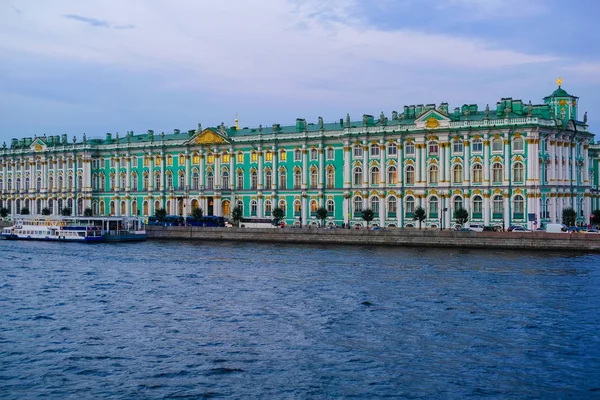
[(560, 92)]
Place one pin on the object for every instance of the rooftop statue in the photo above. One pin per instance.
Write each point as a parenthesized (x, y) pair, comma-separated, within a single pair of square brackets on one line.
[(487, 111), (529, 109), (321, 123), (585, 117)]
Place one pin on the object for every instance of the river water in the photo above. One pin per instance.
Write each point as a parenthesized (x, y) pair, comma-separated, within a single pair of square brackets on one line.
[(247, 321)]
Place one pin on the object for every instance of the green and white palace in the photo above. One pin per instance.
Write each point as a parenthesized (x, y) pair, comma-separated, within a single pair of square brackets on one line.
[(504, 164)]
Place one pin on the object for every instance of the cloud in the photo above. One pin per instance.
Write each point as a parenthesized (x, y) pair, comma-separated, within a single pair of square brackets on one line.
[(488, 9), (96, 22)]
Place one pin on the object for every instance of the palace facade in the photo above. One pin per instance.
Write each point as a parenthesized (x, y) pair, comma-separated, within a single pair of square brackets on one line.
[(506, 165)]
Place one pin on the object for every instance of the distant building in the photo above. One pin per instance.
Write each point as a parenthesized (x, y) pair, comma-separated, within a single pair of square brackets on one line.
[(508, 164)]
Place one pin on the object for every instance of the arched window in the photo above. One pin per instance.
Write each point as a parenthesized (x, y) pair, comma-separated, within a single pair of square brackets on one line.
[(330, 177), (282, 205), (269, 155), (80, 182), (433, 148), (433, 206), (433, 174), (314, 177), (38, 184), (357, 204), (145, 208), (253, 179), (240, 180), (498, 206), (195, 180), (268, 207), (409, 206), (518, 175), (497, 145), (181, 182), (375, 175), (169, 160), (518, 144), (26, 184), (457, 203), (282, 178), (330, 206), (314, 206), (581, 206), (134, 182), (477, 173), (392, 149), (9, 183), (268, 179), (375, 204), (253, 207), (210, 180), (375, 150), (297, 179), (134, 208), (330, 153), (392, 206), (169, 180), (409, 175), (314, 154), (457, 174), (297, 208), (497, 173), (357, 150), (357, 176), (240, 205), (297, 155), (18, 183), (225, 179), (518, 207), (392, 175)]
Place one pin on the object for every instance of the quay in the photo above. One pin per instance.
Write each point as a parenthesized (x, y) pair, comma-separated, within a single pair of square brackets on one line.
[(388, 237)]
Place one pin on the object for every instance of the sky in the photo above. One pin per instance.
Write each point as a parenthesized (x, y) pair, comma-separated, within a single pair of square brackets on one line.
[(73, 67)]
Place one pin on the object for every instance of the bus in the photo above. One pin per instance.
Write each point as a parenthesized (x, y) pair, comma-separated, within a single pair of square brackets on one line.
[(207, 220), (257, 223)]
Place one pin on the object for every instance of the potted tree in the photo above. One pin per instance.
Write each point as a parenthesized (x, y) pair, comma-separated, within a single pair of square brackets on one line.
[(368, 215), (236, 215), (278, 215), (461, 216), (420, 215), (322, 214)]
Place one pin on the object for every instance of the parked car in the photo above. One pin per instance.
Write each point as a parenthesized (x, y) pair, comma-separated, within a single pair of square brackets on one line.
[(474, 227), (556, 228), (519, 229), (593, 230), (512, 227)]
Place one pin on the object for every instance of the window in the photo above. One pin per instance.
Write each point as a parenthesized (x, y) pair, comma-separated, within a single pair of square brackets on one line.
[(268, 207), (477, 146), (433, 148), (181, 160), (297, 155), (357, 176), (518, 207), (169, 181), (195, 180), (38, 184), (497, 145), (330, 206), (145, 181), (392, 175), (181, 183), (314, 178), (358, 151), (226, 158), (156, 181), (225, 179), (169, 160), (330, 153), (282, 205), (268, 179), (314, 154), (392, 149), (27, 185), (297, 179), (297, 207), (457, 174), (375, 204), (210, 180), (518, 144), (497, 173), (581, 207), (409, 148), (375, 176), (240, 180), (409, 173), (269, 156), (477, 206), (253, 207), (392, 206), (477, 173), (240, 157), (254, 156), (357, 204), (210, 158), (433, 174), (134, 183), (518, 169), (457, 147), (253, 179), (498, 206), (282, 155), (282, 179), (196, 159), (458, 203), (313, 206), (433, 206), (374, 150), (330, 177), (410, 205)]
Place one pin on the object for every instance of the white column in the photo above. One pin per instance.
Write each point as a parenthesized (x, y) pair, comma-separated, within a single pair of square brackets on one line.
[(260, 170), (366, 178), (275, 174), (128, 178), (505, 211), (466, 162), (486, 160), (486, 209), (347, 167), (507, 164), (443, 161), (573, 164), (188, 175), (382, 165), (304, 172), (382, 210)]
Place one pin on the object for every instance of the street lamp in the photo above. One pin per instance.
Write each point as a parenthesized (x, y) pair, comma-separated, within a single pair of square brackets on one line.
[(442, 218)]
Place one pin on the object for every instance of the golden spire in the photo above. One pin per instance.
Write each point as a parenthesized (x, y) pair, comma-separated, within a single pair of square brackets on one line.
[(237, 126), (559, 81)]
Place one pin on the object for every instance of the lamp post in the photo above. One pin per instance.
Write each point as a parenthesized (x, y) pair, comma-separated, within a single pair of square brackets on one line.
[(442, 218)]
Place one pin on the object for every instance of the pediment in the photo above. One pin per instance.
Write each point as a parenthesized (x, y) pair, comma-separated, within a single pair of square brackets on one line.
[(38, 145), (432, 119), (208, 136)]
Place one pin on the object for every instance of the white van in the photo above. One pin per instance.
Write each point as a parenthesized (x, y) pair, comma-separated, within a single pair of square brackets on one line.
[(556, 228), (475, 227)]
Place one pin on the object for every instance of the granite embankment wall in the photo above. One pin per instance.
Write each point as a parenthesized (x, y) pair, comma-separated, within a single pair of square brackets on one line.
[(389, 237)]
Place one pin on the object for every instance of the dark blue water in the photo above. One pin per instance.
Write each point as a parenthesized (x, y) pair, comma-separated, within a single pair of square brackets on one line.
[(218, 320)]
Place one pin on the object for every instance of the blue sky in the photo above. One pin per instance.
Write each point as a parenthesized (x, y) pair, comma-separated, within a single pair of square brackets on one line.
[(71, 67)]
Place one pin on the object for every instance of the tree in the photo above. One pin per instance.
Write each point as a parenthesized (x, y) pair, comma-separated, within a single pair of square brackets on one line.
[(87, 212), (65, 212), (24, 211), (197, 213), (278, 214), (236, 215), (3, 212), (46, 211), (420, 215), (160, 214), (368, 215), (322, 214), (569, 216), (461, 216), (595, 217)]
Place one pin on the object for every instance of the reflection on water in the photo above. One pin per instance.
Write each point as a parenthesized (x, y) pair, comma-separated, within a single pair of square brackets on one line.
[(237, 320)]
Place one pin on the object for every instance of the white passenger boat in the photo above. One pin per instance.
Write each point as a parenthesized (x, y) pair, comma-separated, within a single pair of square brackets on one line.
[(77, 229)]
